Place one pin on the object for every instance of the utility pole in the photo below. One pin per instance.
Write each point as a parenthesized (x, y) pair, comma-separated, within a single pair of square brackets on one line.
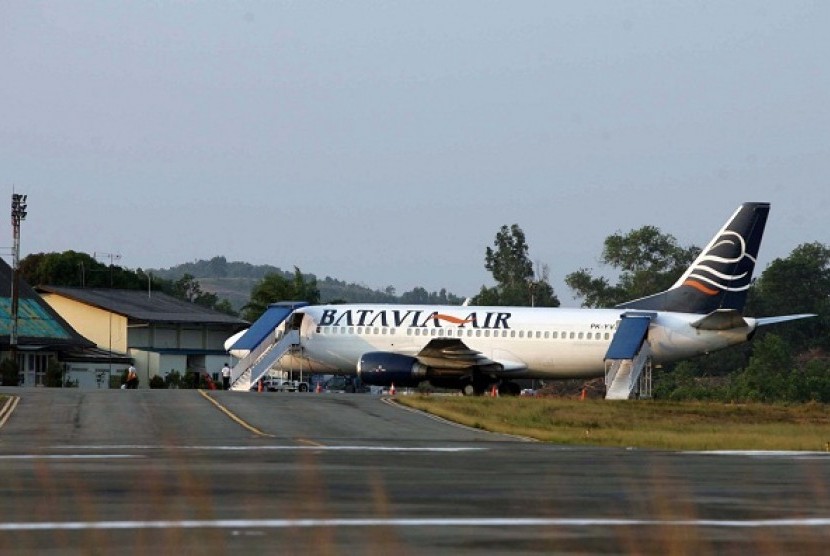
[(18, 216), (112, 257)]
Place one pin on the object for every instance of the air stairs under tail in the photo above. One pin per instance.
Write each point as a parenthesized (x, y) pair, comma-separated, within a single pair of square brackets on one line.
[(628, 360), (253, 367)]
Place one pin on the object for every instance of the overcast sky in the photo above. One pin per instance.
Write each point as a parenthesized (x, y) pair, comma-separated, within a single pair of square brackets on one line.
[(385, 143)]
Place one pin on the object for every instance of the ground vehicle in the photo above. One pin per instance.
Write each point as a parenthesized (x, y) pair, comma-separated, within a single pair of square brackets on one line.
[(282, 385), (347, 384)]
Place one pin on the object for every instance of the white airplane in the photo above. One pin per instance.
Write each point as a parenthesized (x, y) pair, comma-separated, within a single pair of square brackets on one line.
[(473, 348)]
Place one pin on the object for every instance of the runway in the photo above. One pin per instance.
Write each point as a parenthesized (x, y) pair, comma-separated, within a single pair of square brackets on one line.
[(220, 472)]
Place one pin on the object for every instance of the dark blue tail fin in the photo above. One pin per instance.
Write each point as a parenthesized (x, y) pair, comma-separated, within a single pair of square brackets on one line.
[(720, 276)]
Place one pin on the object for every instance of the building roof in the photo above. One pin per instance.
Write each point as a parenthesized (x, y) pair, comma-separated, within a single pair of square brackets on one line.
[(143, 306), (37, 323)]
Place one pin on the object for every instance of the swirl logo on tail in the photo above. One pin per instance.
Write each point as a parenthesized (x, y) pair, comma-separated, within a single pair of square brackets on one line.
[(726, 267)]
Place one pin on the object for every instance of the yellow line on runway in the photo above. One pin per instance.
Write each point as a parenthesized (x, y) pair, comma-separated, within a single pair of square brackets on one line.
[(233, 417), (8, 409)]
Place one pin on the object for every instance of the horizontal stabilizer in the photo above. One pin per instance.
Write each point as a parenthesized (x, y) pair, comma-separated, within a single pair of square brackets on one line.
[(783, 318), (721, 319)]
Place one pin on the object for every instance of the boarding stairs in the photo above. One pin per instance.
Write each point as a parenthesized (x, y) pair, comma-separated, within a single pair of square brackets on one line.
[(266, 343), (628, 364), (253, 367)]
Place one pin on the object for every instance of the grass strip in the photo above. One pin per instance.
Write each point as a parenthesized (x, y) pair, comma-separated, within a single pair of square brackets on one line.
[(642, 424)]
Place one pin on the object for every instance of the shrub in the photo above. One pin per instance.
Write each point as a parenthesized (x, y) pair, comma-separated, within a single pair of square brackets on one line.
[(173, 379), (54, 374), (9, 372)]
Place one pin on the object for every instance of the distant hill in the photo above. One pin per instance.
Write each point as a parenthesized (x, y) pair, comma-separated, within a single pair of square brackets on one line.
[(235, 280)]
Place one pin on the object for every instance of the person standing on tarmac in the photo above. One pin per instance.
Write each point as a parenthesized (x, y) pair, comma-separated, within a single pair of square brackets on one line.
[(132, 378), (226, 377)]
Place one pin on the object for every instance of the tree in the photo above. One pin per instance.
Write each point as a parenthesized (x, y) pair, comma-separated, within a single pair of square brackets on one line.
[(224, 306), (649, 262), (276, 287), (189, 289), (516, 281), (73, 269), (799, 283), (54, 374), (9, 372), (420, 296), (767, 377)]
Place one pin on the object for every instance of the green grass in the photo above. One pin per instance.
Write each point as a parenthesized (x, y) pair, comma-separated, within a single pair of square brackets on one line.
[(643, 424)]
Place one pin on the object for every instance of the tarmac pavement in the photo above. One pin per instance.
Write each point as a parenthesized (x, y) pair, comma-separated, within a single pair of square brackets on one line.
[(221, 472)]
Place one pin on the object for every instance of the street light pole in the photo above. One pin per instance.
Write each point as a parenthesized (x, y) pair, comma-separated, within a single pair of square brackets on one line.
[(112, 257), (18, 216)]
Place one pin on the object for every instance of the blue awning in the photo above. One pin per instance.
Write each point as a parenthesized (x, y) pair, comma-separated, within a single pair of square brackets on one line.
[(629, 337), (265, 325)]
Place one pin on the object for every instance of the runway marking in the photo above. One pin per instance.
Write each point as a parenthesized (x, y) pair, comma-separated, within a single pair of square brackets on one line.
[(415, 522), (313, 447), (773, 454), (67, 456), (233, 417), (8, 409)]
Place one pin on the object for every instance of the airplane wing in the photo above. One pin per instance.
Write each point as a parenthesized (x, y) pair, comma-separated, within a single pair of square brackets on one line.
[(452, 353)]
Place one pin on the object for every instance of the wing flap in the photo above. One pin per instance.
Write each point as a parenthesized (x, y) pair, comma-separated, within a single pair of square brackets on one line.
[(450, 353)]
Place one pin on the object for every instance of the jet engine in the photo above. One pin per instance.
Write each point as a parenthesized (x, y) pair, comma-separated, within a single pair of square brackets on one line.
[(381, 368)]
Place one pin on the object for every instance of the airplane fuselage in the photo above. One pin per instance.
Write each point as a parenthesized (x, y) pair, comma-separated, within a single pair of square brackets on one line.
[(527, 342)]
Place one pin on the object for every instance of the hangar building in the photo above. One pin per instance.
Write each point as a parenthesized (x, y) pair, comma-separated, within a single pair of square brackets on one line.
[(158, 332)]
